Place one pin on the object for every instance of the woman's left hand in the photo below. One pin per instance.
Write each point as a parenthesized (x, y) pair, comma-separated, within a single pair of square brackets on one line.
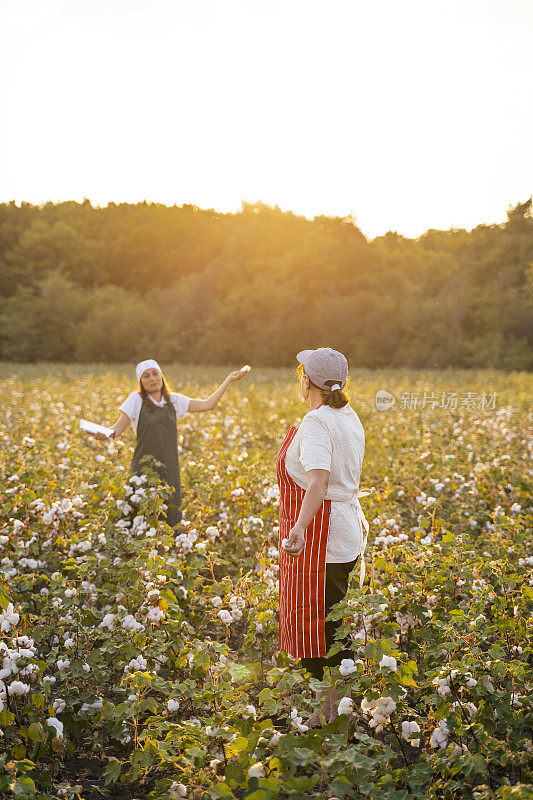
[(238, 373), (294, 544)]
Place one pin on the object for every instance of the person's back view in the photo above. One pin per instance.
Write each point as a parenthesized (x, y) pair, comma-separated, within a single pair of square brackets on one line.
[(319, 467), (333, 439)]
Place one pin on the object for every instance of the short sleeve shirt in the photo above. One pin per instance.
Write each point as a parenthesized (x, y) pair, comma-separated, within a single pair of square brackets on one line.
[(133, 403), (334, 440)]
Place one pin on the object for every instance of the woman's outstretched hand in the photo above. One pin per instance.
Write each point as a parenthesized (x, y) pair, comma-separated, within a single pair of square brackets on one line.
[(238, 373), (294, 544)]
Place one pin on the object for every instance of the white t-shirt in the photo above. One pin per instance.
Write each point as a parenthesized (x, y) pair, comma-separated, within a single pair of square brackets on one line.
[(133, 403), (333, 439)]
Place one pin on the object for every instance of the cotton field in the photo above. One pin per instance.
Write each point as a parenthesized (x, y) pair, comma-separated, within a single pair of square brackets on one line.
[(140, 661)]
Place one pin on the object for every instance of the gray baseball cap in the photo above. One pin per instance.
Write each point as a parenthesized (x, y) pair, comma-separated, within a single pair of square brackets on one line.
[(324, 366)]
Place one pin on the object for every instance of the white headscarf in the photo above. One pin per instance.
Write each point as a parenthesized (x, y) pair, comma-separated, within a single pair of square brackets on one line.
[(148, 364)]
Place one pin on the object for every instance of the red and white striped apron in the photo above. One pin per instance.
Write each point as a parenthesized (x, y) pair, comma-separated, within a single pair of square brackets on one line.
[(302, 579)]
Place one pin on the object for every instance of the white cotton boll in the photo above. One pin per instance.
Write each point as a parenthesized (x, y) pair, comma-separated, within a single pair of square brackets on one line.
[(57, 725), (70, 644), (385, 705), (173, 705), (225, 617), (179, 788), (129, 623), (108, 621), (59, 705), (470, 708), (256, 771), (216, 601), (236, 614), (297, 723), (408, 728), (155, 614), (211, 532), (18, 688), (367, 705), (390, 662), (250, 711), (347, 666), (442, 686), (439, 737), (8, 618), (345, 706), (63, 664)]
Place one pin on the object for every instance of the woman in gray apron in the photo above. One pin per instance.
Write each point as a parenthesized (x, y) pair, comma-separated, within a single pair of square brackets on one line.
[(153, 411)]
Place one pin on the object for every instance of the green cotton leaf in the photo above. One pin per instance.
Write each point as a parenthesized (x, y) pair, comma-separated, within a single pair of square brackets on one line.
[(112, 771), (374, 650), (268, 789), (221, 790), (168, 594), (240, 672), (300, 756), (341, 786), (5, 599), (24, 787), (301, 784), (36, 732), (236, 746), (357, 760), (202, 659), (527, 592), (6, 717)]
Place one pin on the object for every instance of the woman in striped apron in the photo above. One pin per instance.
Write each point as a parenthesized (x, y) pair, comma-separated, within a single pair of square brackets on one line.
[(322, 528)]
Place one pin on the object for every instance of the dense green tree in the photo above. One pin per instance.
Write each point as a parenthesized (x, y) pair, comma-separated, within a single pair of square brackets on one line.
[(196, 285), (42, 323)]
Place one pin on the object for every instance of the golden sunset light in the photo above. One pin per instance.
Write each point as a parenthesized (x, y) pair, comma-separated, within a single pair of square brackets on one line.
[(409, 115)]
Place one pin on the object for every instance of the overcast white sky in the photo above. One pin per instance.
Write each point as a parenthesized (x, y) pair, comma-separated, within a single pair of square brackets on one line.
[(409, 113)]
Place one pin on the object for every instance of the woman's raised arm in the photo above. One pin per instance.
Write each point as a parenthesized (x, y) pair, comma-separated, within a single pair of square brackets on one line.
[(197, 404)]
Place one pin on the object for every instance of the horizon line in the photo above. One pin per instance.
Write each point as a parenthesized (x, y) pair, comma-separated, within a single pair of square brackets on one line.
[(349, 216)]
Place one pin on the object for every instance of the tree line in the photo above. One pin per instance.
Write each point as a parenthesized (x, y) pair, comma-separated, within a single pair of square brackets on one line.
[(115, 284)]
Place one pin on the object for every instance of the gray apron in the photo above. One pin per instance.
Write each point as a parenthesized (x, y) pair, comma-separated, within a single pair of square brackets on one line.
[(157, 436)]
